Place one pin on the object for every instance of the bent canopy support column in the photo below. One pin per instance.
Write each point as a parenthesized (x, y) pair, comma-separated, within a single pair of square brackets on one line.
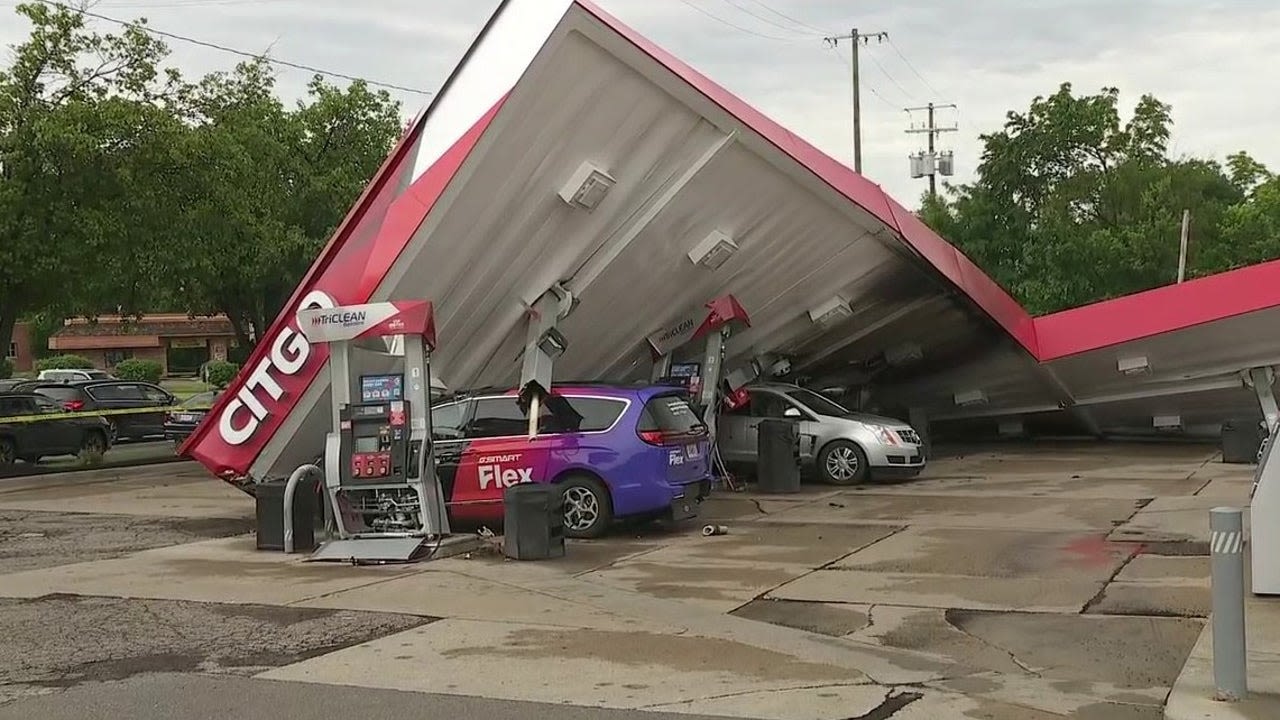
[(543, 344), (1261, 379)]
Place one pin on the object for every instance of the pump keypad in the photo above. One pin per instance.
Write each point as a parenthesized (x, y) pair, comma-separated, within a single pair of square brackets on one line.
[(371, 465)]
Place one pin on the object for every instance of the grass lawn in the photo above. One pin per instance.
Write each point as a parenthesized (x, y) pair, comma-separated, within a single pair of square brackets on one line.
[(185, 388)]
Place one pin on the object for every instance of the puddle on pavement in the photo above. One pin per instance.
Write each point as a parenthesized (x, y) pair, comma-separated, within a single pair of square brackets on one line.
[(679, 653), (821, 618), (697, 582)]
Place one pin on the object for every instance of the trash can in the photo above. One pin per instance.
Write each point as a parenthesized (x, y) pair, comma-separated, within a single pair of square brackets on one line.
[(269, 505), (533, 522), (778, 456), (1241, 440)]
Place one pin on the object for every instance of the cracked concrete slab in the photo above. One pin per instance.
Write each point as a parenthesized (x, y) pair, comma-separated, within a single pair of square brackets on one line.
[(616, 669), (31, 540), (965, 511), (1172, 519), (60, 641), (1121, 598), (720, 586), (452, 595), (767, 544), (822, 702), (993, 553), (169, 490), (1075, 661), (227, 570), (1027, 594)]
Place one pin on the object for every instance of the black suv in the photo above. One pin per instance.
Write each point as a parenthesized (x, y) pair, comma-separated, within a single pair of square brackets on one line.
[(91, 395), (29, 440)]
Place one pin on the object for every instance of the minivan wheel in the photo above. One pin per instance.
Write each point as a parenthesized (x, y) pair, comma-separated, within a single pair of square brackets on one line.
[(842, 463), (588, 509), (8, 453)]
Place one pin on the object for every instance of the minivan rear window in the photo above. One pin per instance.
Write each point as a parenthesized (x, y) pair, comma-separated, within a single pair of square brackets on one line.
[(670, 414)]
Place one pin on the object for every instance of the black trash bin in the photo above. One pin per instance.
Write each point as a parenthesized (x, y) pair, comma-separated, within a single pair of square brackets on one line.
[(269, 504), (533, 522), (778, 458), (1241, 440)]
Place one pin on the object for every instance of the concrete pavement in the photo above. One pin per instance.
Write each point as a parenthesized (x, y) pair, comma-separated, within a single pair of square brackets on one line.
[(1003, 584), (201, 697)]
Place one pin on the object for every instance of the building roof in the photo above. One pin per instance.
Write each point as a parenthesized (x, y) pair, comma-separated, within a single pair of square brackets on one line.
[(148, 325)]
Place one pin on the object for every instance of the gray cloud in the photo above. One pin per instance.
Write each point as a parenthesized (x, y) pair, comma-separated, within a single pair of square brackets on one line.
[(989, 56)]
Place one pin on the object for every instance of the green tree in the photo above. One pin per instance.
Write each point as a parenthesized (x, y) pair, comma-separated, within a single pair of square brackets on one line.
[(1073, 203), (74, 106), (268, 185)]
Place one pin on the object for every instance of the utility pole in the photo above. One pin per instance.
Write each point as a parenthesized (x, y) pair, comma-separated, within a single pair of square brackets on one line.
[(1182, 247), (931, 163), (855, 39)]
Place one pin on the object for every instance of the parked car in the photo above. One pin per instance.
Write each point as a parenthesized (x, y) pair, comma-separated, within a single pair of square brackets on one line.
[(10, 384), (29, 441), (109, 395), (841, 446), (180, 423), (73, 375), (616, 452)]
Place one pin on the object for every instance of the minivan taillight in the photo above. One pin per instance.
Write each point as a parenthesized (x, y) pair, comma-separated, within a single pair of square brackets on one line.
[(73, 405), (662, 437), (653, 437)]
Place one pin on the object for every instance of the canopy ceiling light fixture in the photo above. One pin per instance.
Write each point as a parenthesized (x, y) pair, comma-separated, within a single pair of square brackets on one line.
[(587, 187), (831, 311), (971, 398), (1134, 365), (1167, 422), (904, 354), (713, 250)]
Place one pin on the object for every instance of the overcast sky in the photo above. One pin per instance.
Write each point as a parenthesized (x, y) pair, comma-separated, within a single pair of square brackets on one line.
[(1211, 59)]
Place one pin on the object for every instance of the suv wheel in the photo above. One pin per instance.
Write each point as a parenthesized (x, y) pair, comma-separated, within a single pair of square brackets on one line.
[(92, 447), (588, 509), (8, 453), (842, 463)]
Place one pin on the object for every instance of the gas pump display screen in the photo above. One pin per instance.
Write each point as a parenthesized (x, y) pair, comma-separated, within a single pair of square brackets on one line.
[(686, 370), (381, 388), (368, 444)]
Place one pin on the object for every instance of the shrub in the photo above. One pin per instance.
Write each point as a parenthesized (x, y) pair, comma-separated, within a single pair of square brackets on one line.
[(64, 362), (6, 368), (220, 373), (139, 370)]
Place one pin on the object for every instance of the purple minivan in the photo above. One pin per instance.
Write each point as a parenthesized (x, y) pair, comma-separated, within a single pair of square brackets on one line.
[(616, 451)]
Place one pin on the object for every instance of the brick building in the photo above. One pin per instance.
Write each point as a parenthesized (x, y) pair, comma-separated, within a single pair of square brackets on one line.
[(20, 351), (179, 343)]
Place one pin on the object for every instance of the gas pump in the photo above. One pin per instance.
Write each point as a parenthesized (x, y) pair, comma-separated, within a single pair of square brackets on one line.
[(703, 379), (379, 469), (1264, 502)]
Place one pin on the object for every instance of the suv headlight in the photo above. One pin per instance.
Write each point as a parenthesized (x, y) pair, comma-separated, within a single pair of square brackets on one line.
[(886, 436)]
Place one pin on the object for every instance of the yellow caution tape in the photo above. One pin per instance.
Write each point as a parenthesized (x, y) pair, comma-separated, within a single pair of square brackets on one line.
[(95, 413)]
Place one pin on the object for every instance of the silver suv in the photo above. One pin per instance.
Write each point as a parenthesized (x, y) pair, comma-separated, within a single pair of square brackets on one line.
[(844, 447)]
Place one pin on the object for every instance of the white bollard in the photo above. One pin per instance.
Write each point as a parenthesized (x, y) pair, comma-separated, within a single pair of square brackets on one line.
[(1226, 552)]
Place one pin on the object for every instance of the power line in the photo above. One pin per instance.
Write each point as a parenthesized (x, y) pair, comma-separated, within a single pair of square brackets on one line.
[(784, 16), (739, 28), (849, 66), (140, 26), (912, 67), (766, 20), (892, 79)]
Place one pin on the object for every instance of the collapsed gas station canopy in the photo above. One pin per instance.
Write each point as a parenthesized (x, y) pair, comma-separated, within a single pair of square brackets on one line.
[(567, 151)]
